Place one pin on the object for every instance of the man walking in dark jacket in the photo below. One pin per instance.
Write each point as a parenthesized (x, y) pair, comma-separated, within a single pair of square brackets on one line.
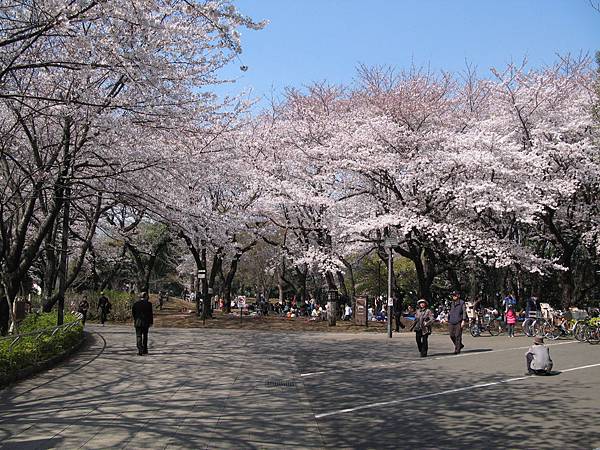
[(104, 307), (397, 309), (457, 318), (142, 320)]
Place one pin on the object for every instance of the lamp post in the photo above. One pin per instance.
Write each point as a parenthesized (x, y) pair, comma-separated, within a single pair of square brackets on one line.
[(201, 273), (389, 244), (378, 278)]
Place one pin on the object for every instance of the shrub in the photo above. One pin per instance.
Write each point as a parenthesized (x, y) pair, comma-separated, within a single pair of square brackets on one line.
[(32, 350), (121, 304)]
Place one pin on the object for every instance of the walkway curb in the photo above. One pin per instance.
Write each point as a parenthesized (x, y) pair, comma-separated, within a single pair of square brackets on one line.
[(21, 374)]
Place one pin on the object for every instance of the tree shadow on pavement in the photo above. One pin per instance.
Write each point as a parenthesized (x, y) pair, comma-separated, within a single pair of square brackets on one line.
[(201, 389)]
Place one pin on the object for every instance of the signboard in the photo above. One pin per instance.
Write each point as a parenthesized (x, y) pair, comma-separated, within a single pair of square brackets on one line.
[(361, 313), (241, 302), (390, 301), (201, 274), (390, 242)]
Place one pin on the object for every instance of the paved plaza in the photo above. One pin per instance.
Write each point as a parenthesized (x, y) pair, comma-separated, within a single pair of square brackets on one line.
[(250, 390)]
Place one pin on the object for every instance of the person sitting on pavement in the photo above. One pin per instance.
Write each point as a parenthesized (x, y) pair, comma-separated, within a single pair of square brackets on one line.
[(381, 316), (538, 358), (314, 315)]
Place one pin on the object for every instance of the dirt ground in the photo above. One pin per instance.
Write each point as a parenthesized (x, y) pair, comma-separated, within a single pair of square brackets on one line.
[(181, 314)]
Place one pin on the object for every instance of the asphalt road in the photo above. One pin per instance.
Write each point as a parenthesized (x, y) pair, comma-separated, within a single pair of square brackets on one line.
[(241, 389)]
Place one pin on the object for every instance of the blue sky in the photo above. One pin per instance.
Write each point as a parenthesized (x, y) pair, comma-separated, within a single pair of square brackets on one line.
[(316, 40)]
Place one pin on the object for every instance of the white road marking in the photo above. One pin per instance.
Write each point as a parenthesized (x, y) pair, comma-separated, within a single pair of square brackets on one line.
[(462, 355), (437, 394)]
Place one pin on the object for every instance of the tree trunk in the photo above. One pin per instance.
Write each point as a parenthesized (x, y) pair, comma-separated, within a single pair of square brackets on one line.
[(227, 283), (332, 309)]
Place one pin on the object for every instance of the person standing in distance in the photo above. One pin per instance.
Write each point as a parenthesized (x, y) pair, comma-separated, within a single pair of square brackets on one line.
[(104, 307), (397, 309), (142, 320), (422, 326), (457, 318), (83, 308)]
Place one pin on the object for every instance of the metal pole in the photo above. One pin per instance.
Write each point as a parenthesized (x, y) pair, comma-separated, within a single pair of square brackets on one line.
[(196, 288), (389, 307), (204, 285), (378, 278)]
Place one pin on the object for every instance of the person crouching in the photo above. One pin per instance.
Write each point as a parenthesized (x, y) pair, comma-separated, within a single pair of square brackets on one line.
[(538, 358)]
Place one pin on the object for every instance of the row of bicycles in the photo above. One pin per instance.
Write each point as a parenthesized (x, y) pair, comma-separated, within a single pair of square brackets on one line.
[(585, 330), (552, 327)]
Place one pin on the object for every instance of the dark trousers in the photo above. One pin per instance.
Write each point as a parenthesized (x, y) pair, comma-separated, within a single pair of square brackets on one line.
[(84, 318), (529, 357), (510, 327), (422, 344), (141, 335), (103, 315), (455, 331)]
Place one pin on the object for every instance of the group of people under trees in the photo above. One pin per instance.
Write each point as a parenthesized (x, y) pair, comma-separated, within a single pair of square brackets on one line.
[(537, 358)]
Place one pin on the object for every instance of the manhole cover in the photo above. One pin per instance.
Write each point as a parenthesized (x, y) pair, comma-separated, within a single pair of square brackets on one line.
[(280, 383)]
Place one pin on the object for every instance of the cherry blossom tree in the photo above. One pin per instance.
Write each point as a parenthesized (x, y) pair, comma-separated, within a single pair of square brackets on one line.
[(94, 91)]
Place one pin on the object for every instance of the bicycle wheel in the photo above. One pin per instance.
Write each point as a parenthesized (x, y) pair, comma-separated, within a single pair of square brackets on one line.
[(580, 333), (551, 331), (538, 327), (494, 327), (475, 330), (593, 335), (579, 330), (527, 329)]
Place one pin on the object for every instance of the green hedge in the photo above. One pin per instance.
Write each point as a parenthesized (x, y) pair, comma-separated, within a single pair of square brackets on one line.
[(121, 304), (31, 351)]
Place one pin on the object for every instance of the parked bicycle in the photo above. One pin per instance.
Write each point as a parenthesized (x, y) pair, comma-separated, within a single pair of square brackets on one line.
[(486, 321), (550, 324), (558, 326), (533, 325), (592, 334), (580, 329)]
